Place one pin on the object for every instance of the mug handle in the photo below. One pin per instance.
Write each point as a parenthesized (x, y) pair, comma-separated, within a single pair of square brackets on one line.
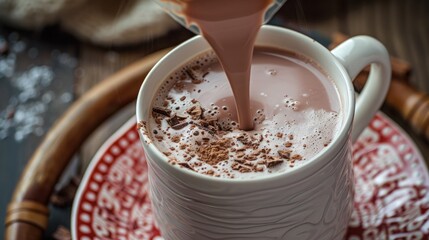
[(355, 54)]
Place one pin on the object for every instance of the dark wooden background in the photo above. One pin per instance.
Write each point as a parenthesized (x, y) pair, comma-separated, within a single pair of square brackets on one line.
[(403, 26)]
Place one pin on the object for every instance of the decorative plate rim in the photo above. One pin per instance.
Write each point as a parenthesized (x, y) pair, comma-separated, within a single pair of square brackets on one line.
[(132, 121), (407, 138), (94, 160)]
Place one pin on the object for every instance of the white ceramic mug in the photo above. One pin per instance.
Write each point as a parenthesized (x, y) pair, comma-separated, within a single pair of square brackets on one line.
[(313, 201)]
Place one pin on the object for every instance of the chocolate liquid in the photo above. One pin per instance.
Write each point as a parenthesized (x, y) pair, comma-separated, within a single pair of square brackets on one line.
[(294, 107), (231, 26)]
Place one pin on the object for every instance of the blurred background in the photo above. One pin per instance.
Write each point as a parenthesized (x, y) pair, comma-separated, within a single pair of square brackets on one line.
[(52, 52)]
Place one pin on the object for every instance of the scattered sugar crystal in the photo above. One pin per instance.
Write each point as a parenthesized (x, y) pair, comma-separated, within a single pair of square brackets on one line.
[(32, 81), (66, 97), (39, 131), (24, 113), (48, 97), (19, 136), (67, 60), (7, 65), (35, 77), (19, 46)]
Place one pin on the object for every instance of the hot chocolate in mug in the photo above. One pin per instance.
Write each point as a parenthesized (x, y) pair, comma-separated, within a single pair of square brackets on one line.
[(311, 201)]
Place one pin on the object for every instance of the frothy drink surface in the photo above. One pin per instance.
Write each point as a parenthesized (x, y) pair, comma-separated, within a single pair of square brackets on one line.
[(294, 108)]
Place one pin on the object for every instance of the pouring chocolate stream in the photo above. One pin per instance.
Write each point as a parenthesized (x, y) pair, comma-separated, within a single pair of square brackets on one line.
[(230, 27)]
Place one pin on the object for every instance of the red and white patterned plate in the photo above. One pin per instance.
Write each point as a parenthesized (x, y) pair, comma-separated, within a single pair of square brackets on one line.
[(391, 197)]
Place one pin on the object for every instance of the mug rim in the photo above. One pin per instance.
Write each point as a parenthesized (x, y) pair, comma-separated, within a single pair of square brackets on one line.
[(316, 162)]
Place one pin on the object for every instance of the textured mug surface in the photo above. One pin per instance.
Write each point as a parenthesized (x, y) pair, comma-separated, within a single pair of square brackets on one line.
[(313, 201)]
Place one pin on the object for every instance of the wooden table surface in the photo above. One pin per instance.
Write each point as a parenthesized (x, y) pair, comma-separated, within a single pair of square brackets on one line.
[(403, 26)]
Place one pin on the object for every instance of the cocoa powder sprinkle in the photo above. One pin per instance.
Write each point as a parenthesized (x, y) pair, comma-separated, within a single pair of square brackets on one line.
[(192, 75), (244, 169), (196, 112), (167, 153), (215, 151), (175, 139), (185, 165), (274, 162), (180, 125), (284, 154), (163, 111)]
